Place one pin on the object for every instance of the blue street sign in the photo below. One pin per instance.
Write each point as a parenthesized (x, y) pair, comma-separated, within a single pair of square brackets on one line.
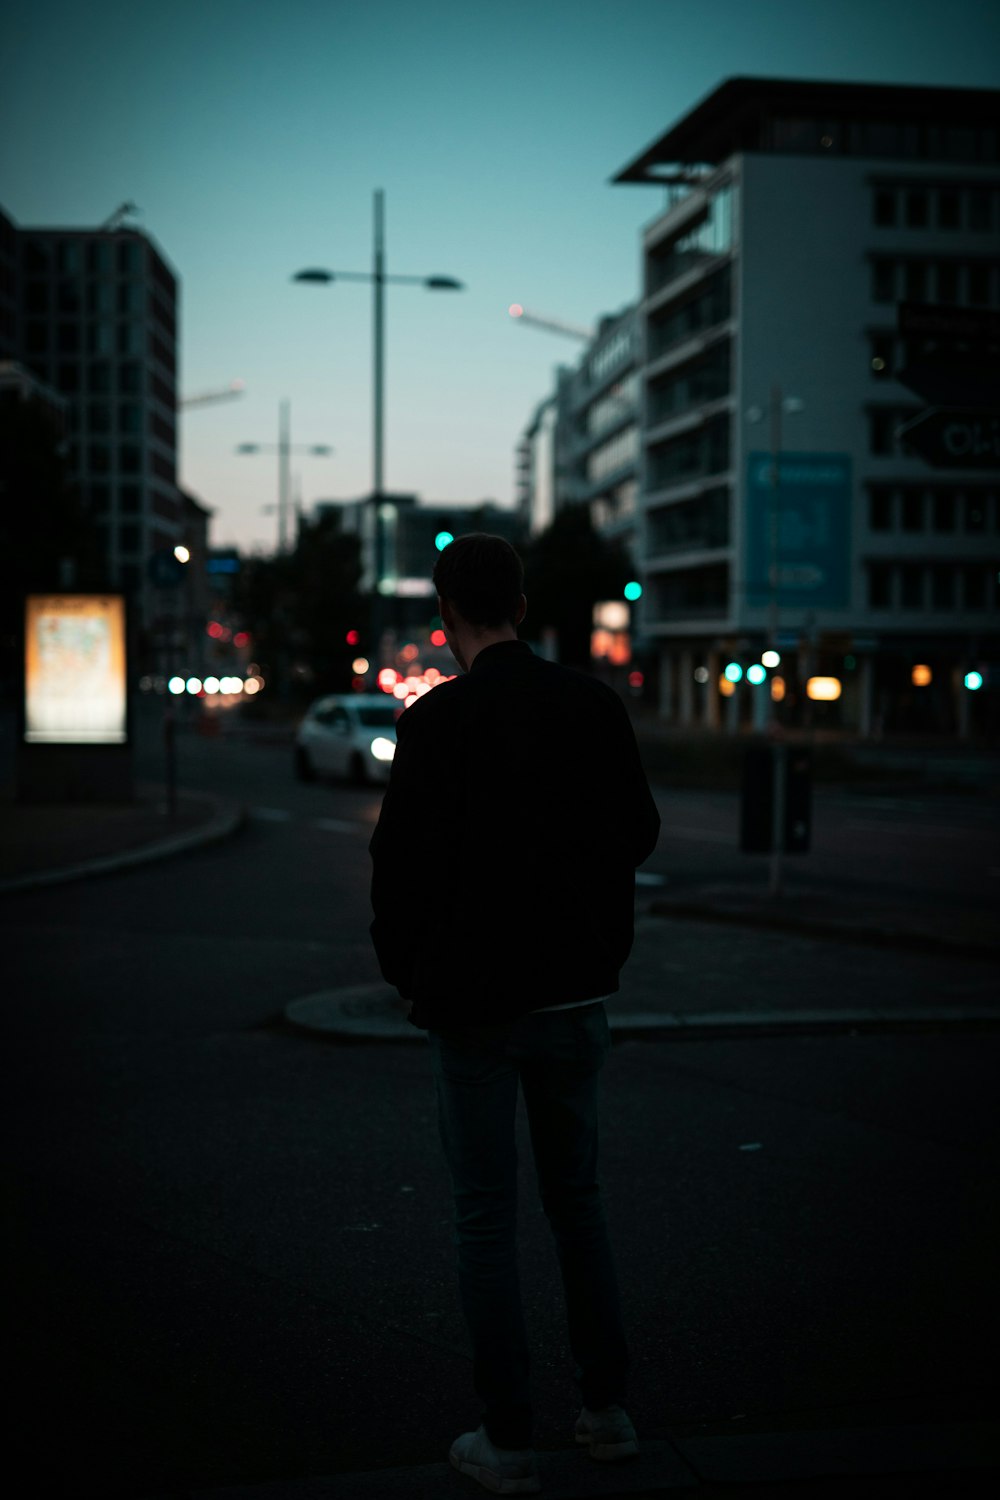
[(814, 527)]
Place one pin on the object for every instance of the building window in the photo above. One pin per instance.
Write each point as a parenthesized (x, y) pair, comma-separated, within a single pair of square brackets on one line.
[(99, 458), (947, 281), (885, 208), (880, 508), (979, 285), (130, 418), (691, 591), (37, 297), (701, 523), (129, 499), (129, 458), (99, 257), (911, 590), (100, 499), (916, 209), (980, 209), (949, 209), (129, 258), (68, 338), (99, 378), (128, 539), (913, 510), (100, 299), (616, 453), (68, 297), (69, 257), (129, 338), (974, 586), (942, 586), (916, 281), (974, 510), (879, 586), (130, 378), (99, 416), (68, 377), (100, 338), (944, 511)]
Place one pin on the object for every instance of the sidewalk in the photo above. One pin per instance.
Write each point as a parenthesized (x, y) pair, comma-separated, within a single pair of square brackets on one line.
[(47, 844)]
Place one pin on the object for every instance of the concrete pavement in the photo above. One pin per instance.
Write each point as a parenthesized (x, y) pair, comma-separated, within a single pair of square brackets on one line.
[(886, 1454)]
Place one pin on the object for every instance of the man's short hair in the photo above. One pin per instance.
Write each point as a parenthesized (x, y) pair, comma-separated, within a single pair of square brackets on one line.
[(483, 577)]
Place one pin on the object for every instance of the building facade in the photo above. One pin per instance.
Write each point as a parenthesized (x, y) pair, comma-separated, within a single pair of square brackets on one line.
[(778, 504), (93, 315)]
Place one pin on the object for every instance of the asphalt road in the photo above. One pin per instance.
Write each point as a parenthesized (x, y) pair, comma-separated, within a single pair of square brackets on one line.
[(232, 1242)]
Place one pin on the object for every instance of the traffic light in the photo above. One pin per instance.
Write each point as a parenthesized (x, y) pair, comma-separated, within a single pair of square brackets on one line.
[(632, 591), (352, 637)]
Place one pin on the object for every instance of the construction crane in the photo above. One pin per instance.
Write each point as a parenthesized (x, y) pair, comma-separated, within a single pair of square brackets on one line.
[(554, 325), (234, 388)]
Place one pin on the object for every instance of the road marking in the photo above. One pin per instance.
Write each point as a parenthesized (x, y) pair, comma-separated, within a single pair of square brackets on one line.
[(271, 814), (336, 825)]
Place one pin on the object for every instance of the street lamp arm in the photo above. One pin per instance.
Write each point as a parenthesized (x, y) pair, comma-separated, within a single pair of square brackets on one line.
[(317, 448), (434, 283)]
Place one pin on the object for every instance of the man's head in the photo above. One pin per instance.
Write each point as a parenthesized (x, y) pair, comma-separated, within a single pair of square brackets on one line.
[(480, 582)]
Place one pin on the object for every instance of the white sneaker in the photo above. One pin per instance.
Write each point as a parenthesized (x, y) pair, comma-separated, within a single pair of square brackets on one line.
[(608, 1434), (505, 1471)]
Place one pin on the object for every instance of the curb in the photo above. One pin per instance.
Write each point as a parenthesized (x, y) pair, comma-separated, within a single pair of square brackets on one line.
[(872, 937), (227, 819), (372, 1013)]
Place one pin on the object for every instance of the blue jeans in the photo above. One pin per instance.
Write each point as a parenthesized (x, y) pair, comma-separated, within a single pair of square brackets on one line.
[(557, 1057)]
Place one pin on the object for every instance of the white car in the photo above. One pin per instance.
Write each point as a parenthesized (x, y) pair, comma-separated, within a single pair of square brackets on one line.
[(352, 736)]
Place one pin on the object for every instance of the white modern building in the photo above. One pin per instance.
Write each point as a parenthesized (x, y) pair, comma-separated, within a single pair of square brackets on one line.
[(799, 216)]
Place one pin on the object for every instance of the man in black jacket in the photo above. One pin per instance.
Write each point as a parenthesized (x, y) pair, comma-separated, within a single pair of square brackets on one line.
[(503, 889)]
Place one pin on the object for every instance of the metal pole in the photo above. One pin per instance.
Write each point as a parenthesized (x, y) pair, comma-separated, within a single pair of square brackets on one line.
[(777, 749), (284, 451), (379, 334)]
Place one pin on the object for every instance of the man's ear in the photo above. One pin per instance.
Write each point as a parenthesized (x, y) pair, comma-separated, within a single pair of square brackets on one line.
[(521, 611), (447, 614)]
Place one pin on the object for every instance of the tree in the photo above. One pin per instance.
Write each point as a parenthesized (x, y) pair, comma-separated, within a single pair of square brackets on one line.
[(300, 607), (569, 567)]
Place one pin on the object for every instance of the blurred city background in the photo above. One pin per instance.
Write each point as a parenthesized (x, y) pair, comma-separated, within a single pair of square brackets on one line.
[(698, 305)]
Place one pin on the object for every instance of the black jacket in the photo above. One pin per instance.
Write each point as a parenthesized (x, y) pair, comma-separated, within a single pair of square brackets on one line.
[(504, 857)]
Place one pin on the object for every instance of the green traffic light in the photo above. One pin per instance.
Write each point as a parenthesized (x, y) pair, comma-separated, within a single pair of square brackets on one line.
[(633, 591), (443, 540)]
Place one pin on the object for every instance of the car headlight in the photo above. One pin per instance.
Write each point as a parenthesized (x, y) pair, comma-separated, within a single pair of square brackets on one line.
[(383, 749)]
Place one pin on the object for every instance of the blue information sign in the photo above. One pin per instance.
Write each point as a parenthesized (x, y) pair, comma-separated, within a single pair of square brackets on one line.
[(813, 500)]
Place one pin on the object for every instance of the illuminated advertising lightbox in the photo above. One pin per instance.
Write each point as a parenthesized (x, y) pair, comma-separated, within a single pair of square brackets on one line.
[(74, 669)]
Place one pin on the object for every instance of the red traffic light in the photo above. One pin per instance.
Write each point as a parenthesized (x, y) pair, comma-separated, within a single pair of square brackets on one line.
[(352, 637)]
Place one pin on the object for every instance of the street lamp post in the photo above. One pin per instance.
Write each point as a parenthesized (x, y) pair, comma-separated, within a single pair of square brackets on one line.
[(379, 279), (284, 449), (777, 405)]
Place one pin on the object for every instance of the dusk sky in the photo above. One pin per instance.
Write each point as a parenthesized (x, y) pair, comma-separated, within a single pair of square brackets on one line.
[(252, 137)]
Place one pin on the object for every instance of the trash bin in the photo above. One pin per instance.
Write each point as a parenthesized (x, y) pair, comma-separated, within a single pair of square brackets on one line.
[(757, 806)]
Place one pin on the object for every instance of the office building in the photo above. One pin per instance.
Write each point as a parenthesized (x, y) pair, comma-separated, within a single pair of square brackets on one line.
[(92, 314), (798, 217)]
